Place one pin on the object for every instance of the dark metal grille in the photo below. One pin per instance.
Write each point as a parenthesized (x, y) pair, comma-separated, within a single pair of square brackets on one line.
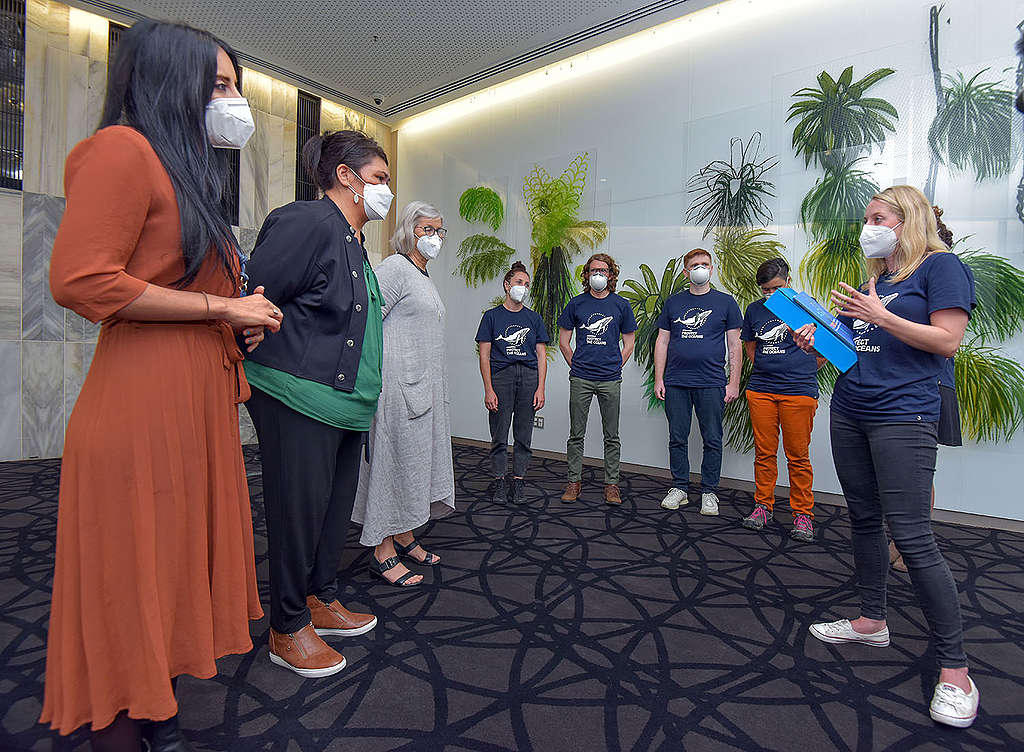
[(113, 37), (234, 164), (12, 93), (307, 126)]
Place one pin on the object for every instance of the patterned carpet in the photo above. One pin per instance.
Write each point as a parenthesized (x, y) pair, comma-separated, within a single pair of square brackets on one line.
[(573, 627)]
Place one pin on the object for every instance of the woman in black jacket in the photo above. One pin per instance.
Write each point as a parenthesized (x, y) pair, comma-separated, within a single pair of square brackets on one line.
[(314, 391)]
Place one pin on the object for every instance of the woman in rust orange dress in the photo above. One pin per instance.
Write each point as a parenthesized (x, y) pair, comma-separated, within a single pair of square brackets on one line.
[(155, 573)]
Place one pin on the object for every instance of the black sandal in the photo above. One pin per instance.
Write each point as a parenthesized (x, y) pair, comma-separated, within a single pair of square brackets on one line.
[(380, 567), (429, 559)]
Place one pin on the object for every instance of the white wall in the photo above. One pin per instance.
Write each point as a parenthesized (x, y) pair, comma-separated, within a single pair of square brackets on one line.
[(651, 123)]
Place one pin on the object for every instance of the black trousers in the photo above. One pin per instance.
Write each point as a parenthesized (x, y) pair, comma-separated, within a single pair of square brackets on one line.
[(515, 386), (310, 470)]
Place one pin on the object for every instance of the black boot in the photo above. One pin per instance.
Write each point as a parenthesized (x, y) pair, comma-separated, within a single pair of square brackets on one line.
[(165, 736), (518, 491), (500, 491)]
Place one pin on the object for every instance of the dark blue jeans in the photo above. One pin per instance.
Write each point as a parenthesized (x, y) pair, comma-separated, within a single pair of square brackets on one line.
[(886, 471), (515, 386), (709, 404)]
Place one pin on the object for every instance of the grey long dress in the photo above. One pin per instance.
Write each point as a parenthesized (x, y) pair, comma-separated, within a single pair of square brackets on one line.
[(410, 476)]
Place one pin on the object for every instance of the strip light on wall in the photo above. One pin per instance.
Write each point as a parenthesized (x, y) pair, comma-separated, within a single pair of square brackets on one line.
[(697, 24)]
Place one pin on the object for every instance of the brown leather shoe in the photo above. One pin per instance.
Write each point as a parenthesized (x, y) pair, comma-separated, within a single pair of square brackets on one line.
[(612, 495), (334, 619), (572, 491), (305, 653)]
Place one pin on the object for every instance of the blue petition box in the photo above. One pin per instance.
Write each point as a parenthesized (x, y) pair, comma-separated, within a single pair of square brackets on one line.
[(833, 339)]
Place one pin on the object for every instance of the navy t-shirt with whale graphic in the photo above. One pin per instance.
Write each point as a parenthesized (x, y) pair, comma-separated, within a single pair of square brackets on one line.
[(891, 380), (697, 349), (597, 322), (780, 367), (514, 336)]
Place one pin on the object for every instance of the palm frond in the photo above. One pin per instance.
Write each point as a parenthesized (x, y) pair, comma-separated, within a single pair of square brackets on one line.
[(584, 235), (829, 262), (835, 204), (990, 389), (999, 286), (733, 193), (482, 258), (647, 298), (739, 253), (482, 204), (836, 122), (739, 433), (973, 128)]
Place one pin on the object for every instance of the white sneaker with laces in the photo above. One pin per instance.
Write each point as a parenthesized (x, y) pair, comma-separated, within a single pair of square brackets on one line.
[(709, 504), (674, 499), (954, 707), (842, 631)]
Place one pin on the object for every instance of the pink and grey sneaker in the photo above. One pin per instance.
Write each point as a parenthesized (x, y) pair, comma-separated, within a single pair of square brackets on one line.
[(757, 519), (803, 529)]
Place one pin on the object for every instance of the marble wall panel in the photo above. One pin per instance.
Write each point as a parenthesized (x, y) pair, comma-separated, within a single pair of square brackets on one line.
[(41, 317), (42, 399), (36, 12), (10, 264), (57, 23), (10, 400), (247, 168), (77, 358), (56, 63), (288, 164), (245, 426), (276, 146)]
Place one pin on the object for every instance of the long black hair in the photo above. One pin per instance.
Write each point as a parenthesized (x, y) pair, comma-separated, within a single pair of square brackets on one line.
[(322, 154), (160, 82)]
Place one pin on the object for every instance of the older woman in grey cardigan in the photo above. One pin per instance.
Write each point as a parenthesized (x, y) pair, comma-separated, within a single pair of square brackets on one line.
[(409, 478)]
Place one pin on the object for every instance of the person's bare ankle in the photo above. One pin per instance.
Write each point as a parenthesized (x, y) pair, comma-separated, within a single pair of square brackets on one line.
[(864, 625), (957, 677)]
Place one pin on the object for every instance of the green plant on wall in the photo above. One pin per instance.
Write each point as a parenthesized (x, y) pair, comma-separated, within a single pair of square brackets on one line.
[(973, 124), (482, 257), (557, 236), (837, 125), (973, 127), (733, 193), (647, 297), (990, 386)]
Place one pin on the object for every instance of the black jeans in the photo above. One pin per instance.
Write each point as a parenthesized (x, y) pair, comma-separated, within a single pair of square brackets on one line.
[(886, 472), (515, 386), (310, 473)]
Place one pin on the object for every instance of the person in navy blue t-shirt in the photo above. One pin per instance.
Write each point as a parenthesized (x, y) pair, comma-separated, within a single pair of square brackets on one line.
[(698, 328), (513, 366), (599, 318), (782, 393), (908, 319)]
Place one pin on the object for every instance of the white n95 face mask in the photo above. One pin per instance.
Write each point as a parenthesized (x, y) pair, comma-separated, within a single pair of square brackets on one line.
[(517, 293), (699, 275), (229, 123), (428, 245), (598, 282), (376, 198), (878, 241)]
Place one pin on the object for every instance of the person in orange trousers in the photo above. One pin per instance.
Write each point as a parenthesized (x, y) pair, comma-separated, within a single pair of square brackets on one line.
[(782, 393)]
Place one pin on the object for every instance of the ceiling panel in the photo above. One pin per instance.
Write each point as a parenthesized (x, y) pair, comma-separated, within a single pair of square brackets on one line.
[(408, 54)]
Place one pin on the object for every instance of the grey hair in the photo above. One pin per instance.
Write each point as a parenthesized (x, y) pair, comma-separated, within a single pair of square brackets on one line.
[(404, 239)]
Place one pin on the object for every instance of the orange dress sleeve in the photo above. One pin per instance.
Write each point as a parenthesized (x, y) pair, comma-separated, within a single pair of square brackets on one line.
[(108, 187)]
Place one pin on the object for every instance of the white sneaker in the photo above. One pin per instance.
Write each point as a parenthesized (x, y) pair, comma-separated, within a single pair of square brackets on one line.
[(842, 631), (709, 504), (674, 499), (954, 707)]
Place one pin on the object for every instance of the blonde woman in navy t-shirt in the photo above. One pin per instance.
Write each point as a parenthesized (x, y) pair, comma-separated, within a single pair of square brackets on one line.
[(513, 366), (907, 320)]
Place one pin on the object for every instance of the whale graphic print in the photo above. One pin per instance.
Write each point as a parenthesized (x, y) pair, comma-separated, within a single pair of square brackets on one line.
[(515, 338), (598, 327), (694, 320), (776, 334), (863, 327)]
